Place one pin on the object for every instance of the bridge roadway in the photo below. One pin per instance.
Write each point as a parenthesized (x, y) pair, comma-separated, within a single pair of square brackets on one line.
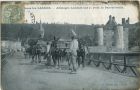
[(19, 74)]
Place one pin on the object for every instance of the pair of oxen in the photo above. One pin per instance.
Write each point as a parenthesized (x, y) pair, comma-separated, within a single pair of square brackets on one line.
[(57, 55)]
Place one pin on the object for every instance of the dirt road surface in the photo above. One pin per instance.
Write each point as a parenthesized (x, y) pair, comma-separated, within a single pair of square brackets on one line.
[(20, 74)]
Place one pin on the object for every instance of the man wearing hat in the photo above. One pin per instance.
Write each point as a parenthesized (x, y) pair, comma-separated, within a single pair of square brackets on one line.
[(73, 50)]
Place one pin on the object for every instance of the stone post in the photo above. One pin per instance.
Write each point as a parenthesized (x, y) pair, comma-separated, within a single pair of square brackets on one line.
[(100, 36)]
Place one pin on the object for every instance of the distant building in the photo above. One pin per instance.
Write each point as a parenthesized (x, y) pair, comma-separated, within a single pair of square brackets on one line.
[(111, 23), (112, 36)]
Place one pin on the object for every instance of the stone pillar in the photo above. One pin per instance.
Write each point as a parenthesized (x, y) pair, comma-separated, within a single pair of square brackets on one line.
[(119, 37), (100, 36), (126, 41)]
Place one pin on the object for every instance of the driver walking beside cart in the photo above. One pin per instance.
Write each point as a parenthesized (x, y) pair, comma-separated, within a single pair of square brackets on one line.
[(73, 50)]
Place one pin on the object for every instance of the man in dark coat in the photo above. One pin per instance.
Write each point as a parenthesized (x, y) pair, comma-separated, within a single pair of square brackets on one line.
[(81, 55), (54, 51)]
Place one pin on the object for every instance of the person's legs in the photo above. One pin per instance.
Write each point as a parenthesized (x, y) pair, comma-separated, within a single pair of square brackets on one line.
[(58, 61), (48, 59), (68, 60), (55, 60), (24, 55), (70, 63), (35, 56), (39, 58), (54, 63), (83, 60), (32, 58), (78, 60), (74, 63)]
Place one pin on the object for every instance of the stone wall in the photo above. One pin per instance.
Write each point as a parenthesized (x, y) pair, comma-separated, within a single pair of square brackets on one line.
[(113, 40)]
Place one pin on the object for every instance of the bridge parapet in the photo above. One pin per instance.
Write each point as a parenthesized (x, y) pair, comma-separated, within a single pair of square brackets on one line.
[(120, 61)]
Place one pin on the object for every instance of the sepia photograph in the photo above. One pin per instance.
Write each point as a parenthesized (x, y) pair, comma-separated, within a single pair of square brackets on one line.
[(83, 45)]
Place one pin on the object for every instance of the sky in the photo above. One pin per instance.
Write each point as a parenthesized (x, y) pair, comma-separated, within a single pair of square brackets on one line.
[(80, 14)]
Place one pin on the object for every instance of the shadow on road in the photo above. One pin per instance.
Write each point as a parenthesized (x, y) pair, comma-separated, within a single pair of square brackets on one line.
[(26, 64), (52, 69)]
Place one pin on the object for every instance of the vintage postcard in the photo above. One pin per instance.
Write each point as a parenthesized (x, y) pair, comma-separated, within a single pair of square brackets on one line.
[(70, 45)]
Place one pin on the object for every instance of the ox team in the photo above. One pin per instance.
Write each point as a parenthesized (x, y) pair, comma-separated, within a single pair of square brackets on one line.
[(74, 54)]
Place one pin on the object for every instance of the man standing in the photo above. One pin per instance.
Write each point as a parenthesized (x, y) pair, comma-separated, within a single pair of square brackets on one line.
[(38, 51), (73, 50), (54, 51), (81, 55)]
